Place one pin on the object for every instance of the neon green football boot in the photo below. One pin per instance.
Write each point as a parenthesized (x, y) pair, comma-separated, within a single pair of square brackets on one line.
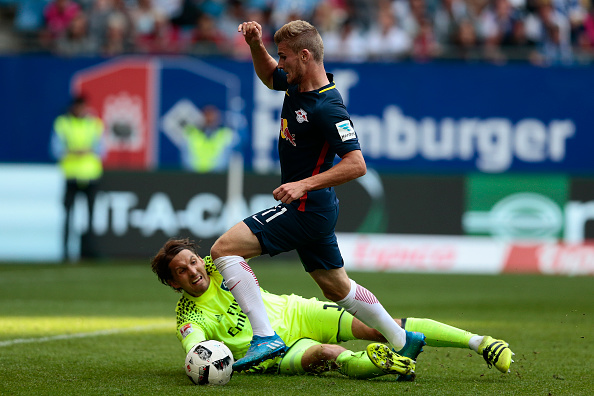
[(496, 353), (389, 361)]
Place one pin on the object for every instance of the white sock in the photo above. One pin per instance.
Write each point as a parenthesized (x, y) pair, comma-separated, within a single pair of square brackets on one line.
[(242, 283), (474, 342), (363, 305)]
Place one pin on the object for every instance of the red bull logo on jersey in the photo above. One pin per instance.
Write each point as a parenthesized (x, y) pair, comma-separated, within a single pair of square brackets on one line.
[(285, 134)]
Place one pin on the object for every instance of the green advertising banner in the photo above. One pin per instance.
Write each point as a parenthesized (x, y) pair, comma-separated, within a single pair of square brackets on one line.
[(515, 206)]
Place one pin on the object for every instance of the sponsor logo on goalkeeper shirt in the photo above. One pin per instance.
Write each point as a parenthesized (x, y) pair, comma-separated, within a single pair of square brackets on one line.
[(235, 312), (186, 330)]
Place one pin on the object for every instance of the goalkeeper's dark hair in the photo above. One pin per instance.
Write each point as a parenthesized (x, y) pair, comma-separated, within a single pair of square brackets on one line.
[(160, 263)]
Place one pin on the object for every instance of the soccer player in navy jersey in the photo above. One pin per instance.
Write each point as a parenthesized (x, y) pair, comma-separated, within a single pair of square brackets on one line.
[(314, 127)]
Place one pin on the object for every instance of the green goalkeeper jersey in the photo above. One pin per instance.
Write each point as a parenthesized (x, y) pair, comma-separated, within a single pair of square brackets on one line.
[(215, 315)]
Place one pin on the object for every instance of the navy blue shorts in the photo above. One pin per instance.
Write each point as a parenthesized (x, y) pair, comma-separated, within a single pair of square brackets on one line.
[(283, 228)]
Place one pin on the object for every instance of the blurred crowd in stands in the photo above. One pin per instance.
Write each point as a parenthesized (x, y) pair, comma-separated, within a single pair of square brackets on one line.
[(544, 32)]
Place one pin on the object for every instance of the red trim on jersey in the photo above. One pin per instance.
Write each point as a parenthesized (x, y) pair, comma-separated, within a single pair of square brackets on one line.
[(316, 170), (321, 158), (302, 200)]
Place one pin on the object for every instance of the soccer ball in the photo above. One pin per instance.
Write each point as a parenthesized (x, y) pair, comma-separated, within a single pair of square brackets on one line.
[(209, 362)]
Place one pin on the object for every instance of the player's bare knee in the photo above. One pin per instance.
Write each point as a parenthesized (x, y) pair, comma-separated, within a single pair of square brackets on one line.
[(333, 294), (363, 332), (326, 352), (333, 291), (216, 249), (223, 246), (377, 336), (330, 352)]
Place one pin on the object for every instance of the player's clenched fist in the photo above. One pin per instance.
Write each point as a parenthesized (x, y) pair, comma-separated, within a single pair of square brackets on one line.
[(252, 32), (289, 192)]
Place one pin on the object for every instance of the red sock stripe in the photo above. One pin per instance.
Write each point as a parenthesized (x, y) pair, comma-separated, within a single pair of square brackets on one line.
[(246, 267), (362, 294)]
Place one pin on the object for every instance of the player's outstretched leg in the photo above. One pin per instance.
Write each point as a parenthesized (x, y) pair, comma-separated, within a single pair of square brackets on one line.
[(261, 348), (415, 342), (496, 353), (389, 361)]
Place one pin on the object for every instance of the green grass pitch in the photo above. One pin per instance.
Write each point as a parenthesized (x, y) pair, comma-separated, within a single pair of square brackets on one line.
[(109, 329)]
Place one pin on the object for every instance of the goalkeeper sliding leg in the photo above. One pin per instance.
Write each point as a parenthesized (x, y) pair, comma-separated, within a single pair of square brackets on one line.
[(309, 356), (495, 352)]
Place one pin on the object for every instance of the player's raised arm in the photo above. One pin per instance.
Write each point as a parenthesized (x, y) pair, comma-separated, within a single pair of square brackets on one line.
[(264, 63)]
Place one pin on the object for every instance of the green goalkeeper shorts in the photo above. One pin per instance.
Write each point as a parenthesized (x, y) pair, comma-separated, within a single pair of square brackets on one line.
[(291, 362), (318, 322), (307, 322), (310, 318)]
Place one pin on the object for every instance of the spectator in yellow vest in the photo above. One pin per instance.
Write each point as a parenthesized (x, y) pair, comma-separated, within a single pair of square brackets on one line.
[(209, 145), (76, 143)]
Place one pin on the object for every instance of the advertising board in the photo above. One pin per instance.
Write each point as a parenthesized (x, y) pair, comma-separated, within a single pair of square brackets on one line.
[(437, 118)]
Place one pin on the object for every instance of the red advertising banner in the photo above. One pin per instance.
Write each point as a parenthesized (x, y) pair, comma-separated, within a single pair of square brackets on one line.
[(464, 254), (551, 258), (122, 93)]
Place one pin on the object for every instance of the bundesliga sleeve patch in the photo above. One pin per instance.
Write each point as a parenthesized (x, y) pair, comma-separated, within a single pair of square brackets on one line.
[(186, 330), (345, 130)]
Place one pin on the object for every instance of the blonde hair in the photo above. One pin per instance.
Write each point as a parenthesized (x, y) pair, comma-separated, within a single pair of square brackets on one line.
[(301, 35)]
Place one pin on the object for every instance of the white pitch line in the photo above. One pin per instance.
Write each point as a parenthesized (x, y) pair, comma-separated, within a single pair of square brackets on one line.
[(80, 335)]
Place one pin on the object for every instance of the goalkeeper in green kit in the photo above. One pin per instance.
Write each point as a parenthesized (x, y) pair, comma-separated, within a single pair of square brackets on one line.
[(310, 328)]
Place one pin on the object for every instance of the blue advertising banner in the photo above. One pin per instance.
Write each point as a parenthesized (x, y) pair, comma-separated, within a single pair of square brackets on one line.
[(459, 118), (35, 90), (187, 86), (410, 118)]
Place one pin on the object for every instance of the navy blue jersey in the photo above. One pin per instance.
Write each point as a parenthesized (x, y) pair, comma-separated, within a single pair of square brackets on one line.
[(315, 127)]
